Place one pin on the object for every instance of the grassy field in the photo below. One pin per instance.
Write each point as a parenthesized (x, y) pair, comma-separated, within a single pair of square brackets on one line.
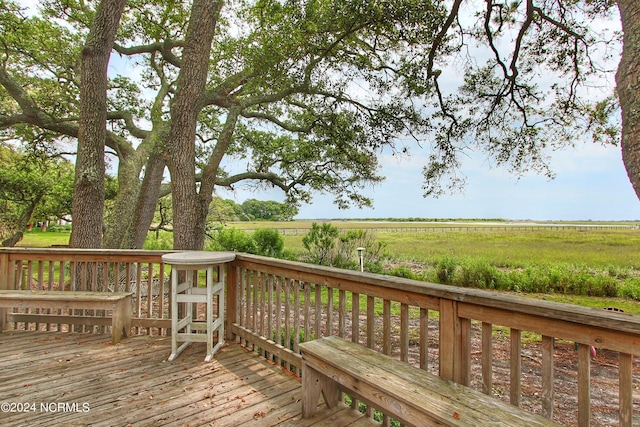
[(512, 247)]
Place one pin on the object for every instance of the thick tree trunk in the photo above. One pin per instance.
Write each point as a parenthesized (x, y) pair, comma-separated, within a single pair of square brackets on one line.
[(135, 204), (189, 206), (88, 194), (628, 86), (149, 195), (120, 222)]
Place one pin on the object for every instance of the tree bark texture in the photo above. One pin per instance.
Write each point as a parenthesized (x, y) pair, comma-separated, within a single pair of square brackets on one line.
[(149, 195), (628, 87), (135, 203), (190, 207), (88, 194)]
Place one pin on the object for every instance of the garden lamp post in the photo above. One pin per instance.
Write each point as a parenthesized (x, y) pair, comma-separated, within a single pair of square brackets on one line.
[(361, 257)]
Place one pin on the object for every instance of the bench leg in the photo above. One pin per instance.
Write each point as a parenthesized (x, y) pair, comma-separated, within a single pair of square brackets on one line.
[(3, 319), (121, 320), (314, 384), (128, 314)]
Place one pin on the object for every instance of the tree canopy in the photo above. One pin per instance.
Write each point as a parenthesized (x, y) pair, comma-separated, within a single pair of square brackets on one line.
[(305, 95)]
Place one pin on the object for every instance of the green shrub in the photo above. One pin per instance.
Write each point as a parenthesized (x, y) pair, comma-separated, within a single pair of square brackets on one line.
[(232, 239), (630, 289), (478, 273), (55, 228), (268, 242), (445, 270), (320, 242), (402, 271)]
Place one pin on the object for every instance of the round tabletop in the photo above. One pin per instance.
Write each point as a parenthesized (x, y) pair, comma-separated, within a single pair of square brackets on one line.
[(198, 258)]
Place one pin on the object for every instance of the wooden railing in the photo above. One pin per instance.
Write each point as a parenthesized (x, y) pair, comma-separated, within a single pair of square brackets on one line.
[(277, 304), (274, 305), (139, 272)]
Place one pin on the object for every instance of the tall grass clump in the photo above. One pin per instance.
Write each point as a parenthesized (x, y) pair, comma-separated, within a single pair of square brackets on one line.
[(560, 278), (630, 289)]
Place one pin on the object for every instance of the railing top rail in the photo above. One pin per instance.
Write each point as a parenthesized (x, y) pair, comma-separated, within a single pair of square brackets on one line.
[(588, 316), (105, 255)]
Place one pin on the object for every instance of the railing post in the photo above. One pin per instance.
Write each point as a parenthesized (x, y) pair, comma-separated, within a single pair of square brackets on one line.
[(453, 342), (6, 272), (231, 308)]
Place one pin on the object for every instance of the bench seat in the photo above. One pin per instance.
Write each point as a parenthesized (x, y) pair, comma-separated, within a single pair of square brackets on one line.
[(119, 303), (411, 395)]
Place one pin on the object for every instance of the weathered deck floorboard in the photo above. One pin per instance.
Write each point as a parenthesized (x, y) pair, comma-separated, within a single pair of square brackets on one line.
[(67, 379)]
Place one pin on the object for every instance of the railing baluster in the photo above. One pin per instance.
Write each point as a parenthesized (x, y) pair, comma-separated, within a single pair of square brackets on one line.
[(105, 277), (547, 377), (318, 311), (487, 358), (355, 331), (51, 277), (150, 294), (386, 342), (93, 286), (246, 276), (41, 287), (262, 316), (61, 287), (270, 306), (296, 315), (29, 284), (404, 332), (307, 312), (584, 381), (386, 327), (329, 311), (160, 312), (355, 317), (515, 377), (255, 291), (424, 338), (464, 372), (371, 321), (342, 313), (94, 276), (626, 389), (278, 307), (287, 315)]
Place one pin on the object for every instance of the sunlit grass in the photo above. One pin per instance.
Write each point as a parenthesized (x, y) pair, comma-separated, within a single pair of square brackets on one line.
[(598, 248), (39, 239)]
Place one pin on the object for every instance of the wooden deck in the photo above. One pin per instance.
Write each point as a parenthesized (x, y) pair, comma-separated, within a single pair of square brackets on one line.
[(73, 379)]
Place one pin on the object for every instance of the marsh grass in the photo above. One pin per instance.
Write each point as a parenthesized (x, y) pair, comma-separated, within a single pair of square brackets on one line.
[(514, 248), (597, 262)]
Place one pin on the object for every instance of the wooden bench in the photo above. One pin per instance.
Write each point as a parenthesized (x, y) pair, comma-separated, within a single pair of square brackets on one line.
[(119, 303), (411, 395)]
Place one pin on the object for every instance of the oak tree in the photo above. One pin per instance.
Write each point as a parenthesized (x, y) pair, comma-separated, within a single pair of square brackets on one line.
[(305, 95)]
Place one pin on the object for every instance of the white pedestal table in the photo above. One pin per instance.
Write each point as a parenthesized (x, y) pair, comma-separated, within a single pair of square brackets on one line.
[(187, 291)]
